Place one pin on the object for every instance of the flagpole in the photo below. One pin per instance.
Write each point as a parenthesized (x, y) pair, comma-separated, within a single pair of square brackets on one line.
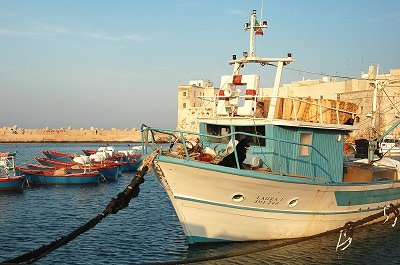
[(252, 25)]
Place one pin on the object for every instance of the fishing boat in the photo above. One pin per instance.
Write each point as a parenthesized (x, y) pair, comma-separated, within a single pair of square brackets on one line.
[(295, 184), (59, 155), (59, 176), (130, 165), (110, 171), (42, 167), (8, 179)]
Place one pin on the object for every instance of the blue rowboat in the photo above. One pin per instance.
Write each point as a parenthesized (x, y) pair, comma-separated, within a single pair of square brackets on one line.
[(11, 183), (39, 167), (110, 171), (58, 156), (44, 177), (8, 179), (130, 165)]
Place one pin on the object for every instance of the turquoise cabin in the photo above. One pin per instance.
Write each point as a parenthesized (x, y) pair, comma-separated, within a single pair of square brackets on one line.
[(310, 151)]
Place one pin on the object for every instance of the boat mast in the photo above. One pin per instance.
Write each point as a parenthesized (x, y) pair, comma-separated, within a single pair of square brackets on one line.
[(252, 33), (250, 57), (374, 144)]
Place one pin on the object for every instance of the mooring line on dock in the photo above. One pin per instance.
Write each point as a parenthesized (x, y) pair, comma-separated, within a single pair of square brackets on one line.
[(120, 202)]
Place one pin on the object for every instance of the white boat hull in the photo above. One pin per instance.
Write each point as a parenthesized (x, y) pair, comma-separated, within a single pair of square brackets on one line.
[(263, 208)]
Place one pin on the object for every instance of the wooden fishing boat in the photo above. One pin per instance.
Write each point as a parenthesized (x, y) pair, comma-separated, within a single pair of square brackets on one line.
[(59, 176), (40, 167), (89, 152), (69, 169), (296, 184), (110, 171), (8, 179), (58, 156)]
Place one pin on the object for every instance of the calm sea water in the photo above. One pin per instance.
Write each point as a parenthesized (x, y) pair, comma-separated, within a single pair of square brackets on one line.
[(148, 229)]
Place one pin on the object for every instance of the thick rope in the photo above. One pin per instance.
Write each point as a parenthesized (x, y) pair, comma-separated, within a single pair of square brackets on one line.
[(116, 204), (347, 227)]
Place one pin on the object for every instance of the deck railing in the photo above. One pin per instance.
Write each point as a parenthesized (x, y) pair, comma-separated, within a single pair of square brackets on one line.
[(171, 137), (293, 108)]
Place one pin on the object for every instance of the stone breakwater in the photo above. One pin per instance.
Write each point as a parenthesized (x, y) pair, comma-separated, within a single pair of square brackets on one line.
[(20, 135)]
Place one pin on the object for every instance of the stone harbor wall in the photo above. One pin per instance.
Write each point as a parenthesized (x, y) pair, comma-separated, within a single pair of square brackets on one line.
[(15, 135)]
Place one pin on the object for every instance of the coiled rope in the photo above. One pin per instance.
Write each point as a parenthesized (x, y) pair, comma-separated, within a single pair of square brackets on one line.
[(120, 202)]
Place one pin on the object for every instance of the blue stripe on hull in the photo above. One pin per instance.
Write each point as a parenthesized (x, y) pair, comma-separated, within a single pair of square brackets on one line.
[(200, 239), (348, 198)]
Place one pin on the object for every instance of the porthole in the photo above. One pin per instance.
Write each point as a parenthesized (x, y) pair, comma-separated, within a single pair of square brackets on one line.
[(293, 202), (238, 197)]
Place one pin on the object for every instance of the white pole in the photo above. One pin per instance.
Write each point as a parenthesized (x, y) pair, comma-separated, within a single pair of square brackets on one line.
[(275, 91), (252, 25)]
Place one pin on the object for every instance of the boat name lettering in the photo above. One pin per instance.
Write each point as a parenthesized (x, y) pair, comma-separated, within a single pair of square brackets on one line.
[(268, 200)]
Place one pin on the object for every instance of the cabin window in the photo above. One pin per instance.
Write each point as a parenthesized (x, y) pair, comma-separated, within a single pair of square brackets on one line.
[(217, 130), (257, 130), (305, 139)]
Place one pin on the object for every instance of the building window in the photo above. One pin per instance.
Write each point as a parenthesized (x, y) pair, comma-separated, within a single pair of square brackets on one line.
[(184, 93), (184, 105), (305, 140)]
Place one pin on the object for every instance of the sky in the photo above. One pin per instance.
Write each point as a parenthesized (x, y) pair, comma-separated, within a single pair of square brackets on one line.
[(118, 63)]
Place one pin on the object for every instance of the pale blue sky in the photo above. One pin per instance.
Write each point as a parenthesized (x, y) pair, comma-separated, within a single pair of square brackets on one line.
[(118, 63)]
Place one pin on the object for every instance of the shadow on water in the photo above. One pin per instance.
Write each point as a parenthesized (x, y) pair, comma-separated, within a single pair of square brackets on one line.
[(374, 244)]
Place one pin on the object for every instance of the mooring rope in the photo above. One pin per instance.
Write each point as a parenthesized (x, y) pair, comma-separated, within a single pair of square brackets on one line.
[(120, 202)]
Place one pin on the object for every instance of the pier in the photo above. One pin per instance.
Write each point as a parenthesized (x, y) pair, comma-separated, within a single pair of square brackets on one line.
[(21, 135)]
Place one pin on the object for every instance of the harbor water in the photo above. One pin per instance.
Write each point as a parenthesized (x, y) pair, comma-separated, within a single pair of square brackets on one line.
[(148, 230)]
